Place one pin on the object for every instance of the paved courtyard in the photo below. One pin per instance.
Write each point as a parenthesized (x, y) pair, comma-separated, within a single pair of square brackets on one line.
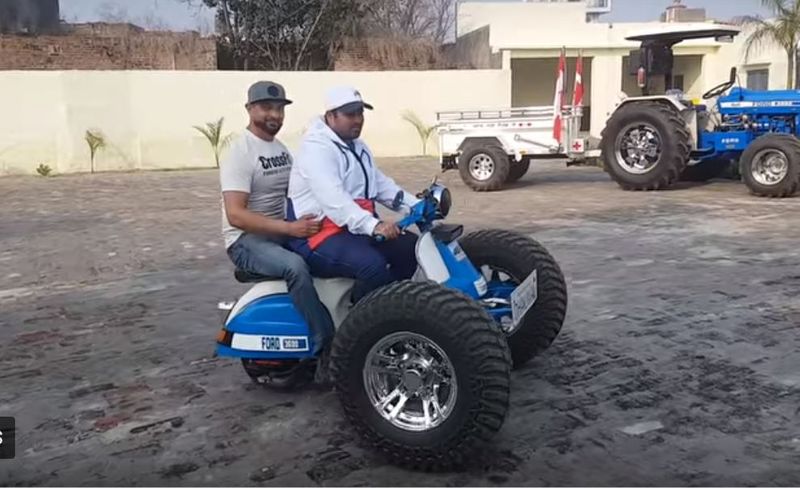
[(677, 364)]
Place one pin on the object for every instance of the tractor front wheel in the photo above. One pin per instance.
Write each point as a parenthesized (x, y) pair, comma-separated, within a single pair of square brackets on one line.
[(771, 166), (645, 146)]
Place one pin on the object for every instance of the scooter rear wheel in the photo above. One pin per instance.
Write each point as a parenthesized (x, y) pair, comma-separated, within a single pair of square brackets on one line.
[(279, 375)]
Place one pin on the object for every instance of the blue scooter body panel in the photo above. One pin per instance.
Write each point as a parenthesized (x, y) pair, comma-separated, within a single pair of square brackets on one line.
[(268, 328)]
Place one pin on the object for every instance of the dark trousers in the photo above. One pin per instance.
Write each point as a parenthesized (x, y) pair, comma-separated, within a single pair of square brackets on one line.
[(359, 257)]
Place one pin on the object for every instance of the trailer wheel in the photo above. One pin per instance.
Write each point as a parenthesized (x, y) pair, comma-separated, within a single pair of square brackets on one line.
[(771, 166), (518, 170), (645, 146), (484, 168)]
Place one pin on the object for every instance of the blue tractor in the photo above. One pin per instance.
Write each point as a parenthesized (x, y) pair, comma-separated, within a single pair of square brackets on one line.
[(652, 141)]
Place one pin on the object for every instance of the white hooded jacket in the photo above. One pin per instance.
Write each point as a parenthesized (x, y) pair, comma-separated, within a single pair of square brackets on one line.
[(327, 176)]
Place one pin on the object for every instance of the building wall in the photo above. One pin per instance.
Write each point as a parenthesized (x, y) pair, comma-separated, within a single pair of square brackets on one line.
[(769, 56), (148, 116), (534, 80), (107, 48)]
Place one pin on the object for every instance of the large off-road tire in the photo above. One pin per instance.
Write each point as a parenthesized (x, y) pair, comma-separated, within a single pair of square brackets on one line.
[(518, 170), (664, 151), (516, 256), (474, 349), (484, 167), (706, 170), (771, 166)]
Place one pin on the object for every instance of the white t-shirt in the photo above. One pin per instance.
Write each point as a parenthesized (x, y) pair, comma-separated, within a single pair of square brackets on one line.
[(260, 168)]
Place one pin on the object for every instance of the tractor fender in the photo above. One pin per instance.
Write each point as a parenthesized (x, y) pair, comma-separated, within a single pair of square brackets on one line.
[(688, 114)]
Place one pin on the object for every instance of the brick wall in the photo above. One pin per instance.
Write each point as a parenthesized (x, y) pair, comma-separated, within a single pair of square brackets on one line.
[(384, 54), (108, 47), (473, 51)]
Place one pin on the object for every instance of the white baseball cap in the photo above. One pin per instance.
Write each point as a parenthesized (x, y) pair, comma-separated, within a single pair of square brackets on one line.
[(344, 98)]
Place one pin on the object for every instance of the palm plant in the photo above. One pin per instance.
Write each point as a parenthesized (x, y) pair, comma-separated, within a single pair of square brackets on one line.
[(213, 132), (783, 30), (96, 141), (423, 129)]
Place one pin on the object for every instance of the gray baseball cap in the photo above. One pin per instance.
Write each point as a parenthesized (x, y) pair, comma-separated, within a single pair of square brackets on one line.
[(263, 91)]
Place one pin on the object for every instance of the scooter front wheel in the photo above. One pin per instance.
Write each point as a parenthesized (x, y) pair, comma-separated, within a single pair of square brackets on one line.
[(423, 374)]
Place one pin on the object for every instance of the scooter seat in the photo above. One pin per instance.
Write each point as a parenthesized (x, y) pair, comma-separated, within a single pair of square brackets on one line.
[(243, 276)]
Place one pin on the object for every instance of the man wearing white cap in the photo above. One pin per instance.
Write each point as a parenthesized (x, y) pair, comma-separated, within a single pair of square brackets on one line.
[(335, 178)]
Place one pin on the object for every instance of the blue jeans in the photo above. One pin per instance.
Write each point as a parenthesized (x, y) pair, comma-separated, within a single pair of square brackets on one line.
[(371, 264), (259, 255)]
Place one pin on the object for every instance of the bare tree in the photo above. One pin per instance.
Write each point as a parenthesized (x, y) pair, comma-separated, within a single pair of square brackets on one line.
[(430, 19), (283, 34)]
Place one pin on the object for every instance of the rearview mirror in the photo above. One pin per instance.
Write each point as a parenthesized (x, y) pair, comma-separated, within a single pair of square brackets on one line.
[(398, 200)]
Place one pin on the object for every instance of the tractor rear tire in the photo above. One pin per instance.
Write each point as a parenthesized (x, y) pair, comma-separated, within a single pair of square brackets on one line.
[(772, 178), (427, 316), (705, 170), (518, 256), (494, 167), (518, 170), (672, 140)]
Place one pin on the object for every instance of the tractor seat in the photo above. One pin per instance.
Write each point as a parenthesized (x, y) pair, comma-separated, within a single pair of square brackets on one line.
[(243, 276)]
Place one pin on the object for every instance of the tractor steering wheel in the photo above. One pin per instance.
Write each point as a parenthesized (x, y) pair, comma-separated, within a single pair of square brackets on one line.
[(718, 90)]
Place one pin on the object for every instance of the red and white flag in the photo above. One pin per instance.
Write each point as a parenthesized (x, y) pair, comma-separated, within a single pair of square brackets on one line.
[(558, 102), (577, 95)]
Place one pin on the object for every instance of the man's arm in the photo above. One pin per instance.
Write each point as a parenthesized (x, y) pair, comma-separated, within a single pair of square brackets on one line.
[(318, 166), (236, 179), (242, 218)]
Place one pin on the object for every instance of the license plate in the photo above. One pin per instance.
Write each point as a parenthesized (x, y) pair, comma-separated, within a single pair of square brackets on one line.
[(523, 297), (247, 342)]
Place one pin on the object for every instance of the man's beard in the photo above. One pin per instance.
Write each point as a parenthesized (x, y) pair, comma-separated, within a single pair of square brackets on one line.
[(355, 132), (270, 127)]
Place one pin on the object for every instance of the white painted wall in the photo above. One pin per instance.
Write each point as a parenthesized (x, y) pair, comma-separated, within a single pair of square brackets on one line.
[(147, 116)]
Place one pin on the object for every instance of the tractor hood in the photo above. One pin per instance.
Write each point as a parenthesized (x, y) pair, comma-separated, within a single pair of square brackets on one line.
[(773, 101)]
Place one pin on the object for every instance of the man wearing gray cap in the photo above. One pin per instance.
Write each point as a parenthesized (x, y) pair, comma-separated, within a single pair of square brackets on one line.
[(254, 177)]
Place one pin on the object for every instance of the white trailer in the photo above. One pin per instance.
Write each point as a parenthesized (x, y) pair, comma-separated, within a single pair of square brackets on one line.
[(491, 148)]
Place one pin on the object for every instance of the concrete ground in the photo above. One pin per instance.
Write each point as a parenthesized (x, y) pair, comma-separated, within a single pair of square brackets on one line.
[(677, 364)]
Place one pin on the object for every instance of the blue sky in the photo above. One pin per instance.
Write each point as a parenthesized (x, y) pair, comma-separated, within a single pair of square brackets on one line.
[(177, 15)]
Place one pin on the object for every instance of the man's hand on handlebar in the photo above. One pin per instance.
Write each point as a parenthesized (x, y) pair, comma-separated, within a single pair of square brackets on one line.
[(307, 226), (389, 230)]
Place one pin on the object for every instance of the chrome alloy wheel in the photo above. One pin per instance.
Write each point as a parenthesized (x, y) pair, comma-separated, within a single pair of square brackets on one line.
[(410, 381)]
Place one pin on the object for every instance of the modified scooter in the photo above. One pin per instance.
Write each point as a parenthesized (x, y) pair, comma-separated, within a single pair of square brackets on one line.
[(421, 367)]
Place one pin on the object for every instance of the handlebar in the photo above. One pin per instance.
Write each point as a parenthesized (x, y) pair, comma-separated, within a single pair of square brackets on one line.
[(403, 224)]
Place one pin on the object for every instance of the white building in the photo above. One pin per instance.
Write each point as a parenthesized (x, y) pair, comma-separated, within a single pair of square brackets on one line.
[(526, 38)]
